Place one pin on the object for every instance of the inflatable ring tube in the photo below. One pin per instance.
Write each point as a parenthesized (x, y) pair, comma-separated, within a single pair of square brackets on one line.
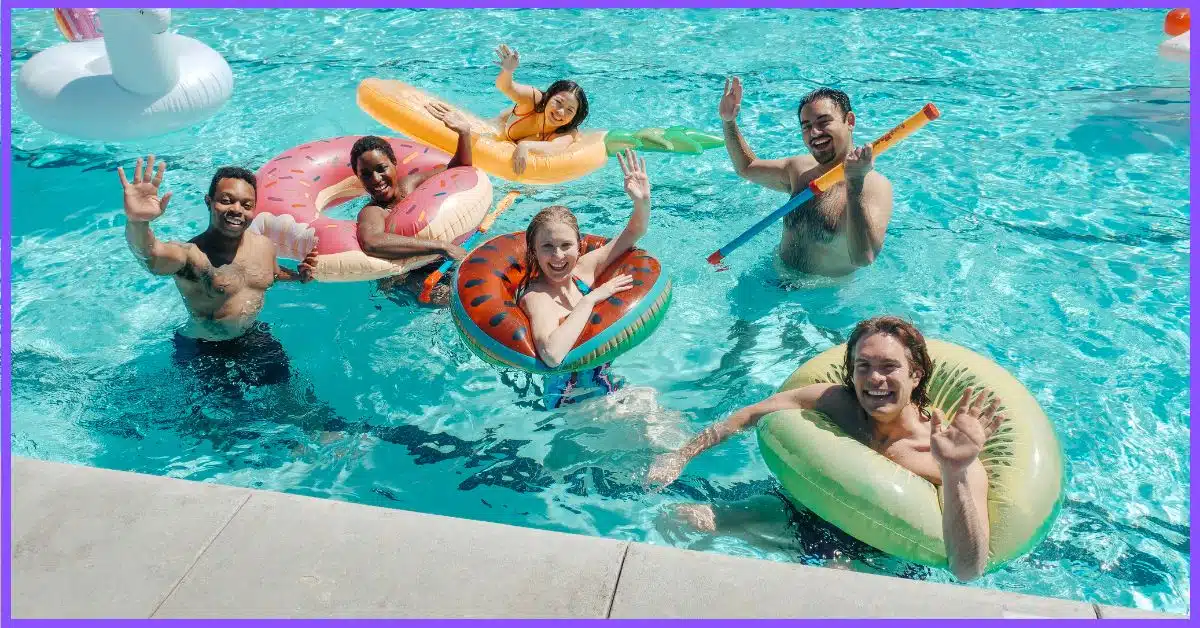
[(493, 325), (401, 107), (137, 81), (892, 509), (299, 185)]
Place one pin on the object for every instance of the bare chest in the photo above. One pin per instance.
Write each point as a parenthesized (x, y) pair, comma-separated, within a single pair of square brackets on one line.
[(251, 269), (820, 219)]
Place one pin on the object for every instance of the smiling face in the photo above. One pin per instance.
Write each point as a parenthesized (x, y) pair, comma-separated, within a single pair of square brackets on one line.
[(377, 172), (557, 251), (231, 207), (561, 108), (827, 131), (883, 375)]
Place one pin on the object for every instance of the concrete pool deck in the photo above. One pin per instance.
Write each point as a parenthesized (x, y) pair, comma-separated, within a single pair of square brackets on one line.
[(97, 543)]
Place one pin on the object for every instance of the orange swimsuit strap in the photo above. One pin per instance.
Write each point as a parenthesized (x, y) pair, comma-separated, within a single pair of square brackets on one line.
[(509, 125)]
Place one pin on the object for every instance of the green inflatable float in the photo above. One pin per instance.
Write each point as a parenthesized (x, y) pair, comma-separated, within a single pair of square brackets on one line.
[(894, 510), (676, 139)]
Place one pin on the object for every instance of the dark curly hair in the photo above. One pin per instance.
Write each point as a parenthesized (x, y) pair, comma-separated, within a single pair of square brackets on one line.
[(231, 172), (367, 144)]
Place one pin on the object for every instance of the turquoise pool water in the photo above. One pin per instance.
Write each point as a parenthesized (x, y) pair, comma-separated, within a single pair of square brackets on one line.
[(1043, 221)]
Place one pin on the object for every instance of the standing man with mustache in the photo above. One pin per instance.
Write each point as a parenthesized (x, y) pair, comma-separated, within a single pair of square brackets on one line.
[(842, 229), (222, 274)]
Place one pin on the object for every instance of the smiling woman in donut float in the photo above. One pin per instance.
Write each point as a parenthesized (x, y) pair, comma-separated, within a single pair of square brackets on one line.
[(424, 203), (561, 303)]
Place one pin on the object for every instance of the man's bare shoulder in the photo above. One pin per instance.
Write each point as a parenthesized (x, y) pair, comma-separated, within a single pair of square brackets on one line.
[(195, 258), (258, 240), (875, 177), (802, 169), (878, 188), (800, 164), (194, 248), (824, 396), (835, 400)]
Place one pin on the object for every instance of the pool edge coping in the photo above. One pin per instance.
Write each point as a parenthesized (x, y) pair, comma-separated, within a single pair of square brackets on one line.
[(702, 567)]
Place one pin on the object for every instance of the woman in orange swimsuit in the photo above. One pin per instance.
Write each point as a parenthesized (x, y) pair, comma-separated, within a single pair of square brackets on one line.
[(543, 122)]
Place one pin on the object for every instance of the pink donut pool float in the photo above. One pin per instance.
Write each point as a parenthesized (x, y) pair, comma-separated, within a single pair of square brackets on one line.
[(297, 187)]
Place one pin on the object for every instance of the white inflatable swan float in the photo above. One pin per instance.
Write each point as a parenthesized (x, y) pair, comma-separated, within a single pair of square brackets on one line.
[(136, 81)]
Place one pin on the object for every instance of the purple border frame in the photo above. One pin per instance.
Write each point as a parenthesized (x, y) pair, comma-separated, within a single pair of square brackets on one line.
[(612, 4), (6, 207), (615, 4)]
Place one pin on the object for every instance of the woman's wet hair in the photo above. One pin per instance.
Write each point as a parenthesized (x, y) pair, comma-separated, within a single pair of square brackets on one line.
[(367, 144), (548, 216), (914, 346), (570, 87)]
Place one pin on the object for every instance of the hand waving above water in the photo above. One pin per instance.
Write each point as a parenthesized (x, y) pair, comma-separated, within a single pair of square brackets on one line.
[(142, 203)]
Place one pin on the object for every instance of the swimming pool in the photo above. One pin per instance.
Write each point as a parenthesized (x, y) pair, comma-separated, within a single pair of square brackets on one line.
[(1042, 221)]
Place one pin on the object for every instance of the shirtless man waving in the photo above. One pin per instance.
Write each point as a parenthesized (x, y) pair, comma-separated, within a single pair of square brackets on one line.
[(841, 230), (222, 274)]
